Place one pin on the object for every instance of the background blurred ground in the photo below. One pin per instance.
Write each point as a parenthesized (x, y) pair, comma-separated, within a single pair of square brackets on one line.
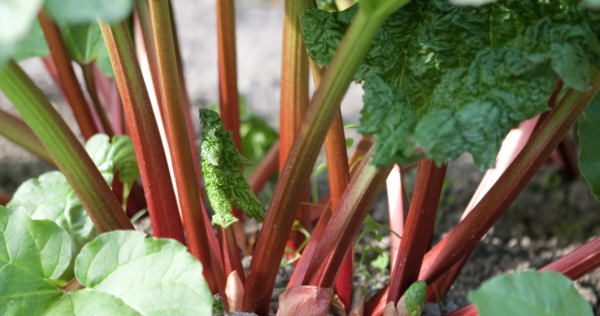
[(549, 219)]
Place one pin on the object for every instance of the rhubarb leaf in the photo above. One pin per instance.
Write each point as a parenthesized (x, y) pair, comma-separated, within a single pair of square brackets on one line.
[(135, 275), (32, 253), (529, 293), (51, 197), (225, 184), (84, 41), (32, 45), (116, 156), (124, 273), (452, 79), (16, 18), (78, 12), (589, 158)]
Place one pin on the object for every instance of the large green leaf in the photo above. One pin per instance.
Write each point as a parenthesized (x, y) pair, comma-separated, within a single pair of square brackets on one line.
[(51, 197), (124, 273), (16, 18), (31, 254), (456, 79), (149, 275), (78, 11), (589, 134), (530, 293)]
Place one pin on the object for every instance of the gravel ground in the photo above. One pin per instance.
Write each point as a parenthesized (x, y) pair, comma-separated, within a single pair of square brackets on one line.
[(551, 218)]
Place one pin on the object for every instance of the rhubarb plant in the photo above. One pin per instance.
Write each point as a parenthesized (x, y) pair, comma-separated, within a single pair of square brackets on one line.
[(440, 78)]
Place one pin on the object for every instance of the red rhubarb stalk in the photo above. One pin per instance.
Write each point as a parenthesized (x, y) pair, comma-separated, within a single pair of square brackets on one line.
[(419, 224), (293, 101), (467, 233), (265, 169), (398, 205), (176, 131), (511, 147), (62, 61), (162, 204), (345, 223)]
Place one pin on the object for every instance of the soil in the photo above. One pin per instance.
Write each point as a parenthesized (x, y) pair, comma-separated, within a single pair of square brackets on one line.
[(550, 218)]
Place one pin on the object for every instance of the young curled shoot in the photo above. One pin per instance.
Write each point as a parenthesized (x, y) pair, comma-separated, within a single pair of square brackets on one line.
[(225, 183)]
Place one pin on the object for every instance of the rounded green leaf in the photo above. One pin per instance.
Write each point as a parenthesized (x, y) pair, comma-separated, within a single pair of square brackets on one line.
[(50, 197), (148, 275), (31, 254), (530, 293), (110, 157), (589, 133), (78, 11)]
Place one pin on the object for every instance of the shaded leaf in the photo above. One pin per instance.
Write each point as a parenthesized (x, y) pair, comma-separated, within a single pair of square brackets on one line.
[(589, 158), (84, 41), (16, 19), (32, 45), (76, 11), (529, 293)]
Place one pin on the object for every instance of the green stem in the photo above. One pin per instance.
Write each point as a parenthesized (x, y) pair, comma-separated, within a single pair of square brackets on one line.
[(294, 178), (69, 155), (19, 133)]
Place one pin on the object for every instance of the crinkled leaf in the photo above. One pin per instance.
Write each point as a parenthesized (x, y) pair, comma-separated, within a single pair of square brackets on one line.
[(225, 183), (589, 134), (77, 11), (16, 18), (51, 197), (452, 79), (530, 293), (116, 156), (84, 41), (31, 254)]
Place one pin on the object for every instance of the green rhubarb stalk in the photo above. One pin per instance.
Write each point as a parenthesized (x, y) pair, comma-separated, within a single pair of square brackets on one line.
[(64, 148), (19, 133)]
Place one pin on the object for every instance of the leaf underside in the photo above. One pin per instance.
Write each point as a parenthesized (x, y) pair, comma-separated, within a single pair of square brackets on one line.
[(453, 79)]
